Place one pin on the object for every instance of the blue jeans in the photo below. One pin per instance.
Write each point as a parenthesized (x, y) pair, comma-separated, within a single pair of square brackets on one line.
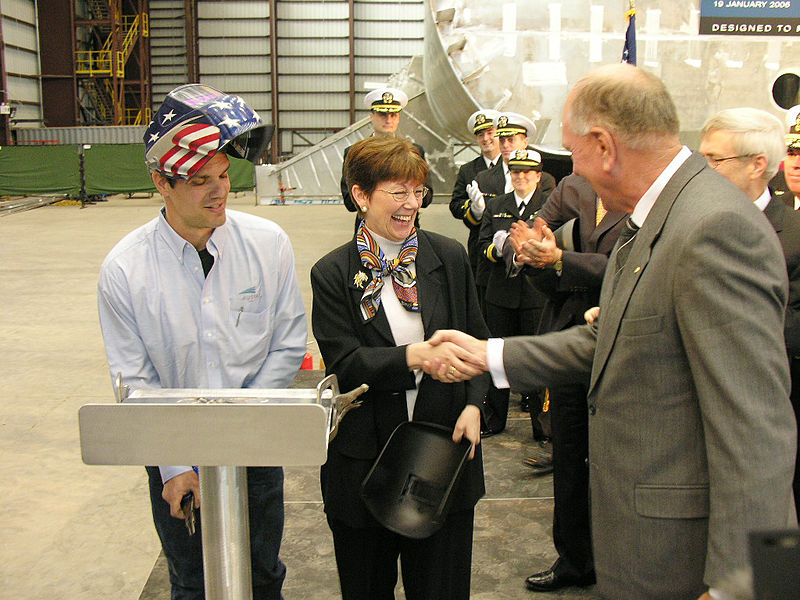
[(184, 553)]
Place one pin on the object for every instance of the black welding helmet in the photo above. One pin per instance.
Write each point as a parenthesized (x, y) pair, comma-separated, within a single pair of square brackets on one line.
[(408, 490)]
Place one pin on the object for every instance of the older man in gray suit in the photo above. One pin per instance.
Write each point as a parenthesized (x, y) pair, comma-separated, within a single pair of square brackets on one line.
[(691, 435)]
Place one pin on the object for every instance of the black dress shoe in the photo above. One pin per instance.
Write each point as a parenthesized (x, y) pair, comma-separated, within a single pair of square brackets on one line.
[(485, 433), (547, 581), (539, 467)]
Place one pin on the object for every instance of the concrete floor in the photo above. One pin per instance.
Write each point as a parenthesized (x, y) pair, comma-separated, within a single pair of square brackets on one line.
[(85, 532)]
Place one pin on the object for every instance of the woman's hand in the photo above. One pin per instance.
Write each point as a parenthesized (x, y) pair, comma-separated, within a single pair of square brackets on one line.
[(469, 426), (458, 368)]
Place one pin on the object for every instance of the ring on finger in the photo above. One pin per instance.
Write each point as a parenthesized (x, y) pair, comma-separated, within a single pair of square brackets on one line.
[(452, 371)]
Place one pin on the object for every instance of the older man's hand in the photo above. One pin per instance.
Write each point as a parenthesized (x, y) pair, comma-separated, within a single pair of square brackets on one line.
[(473, 352), (522, 232), (543, 252)]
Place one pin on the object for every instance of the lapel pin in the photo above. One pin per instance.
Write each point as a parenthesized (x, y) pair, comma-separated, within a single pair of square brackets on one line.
[(636, 270), (359, 279)]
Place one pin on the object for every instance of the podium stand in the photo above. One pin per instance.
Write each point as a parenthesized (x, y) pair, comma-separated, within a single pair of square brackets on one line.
[(220, 431)]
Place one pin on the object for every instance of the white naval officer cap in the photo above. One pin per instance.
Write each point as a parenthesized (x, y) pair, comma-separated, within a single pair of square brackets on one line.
[(482, 119), (511, 123), (525, 160), (793, 123), (386, 100)]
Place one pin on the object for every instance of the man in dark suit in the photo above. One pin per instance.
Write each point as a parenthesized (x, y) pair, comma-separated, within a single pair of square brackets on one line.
[(570, 279), (746, 145), (385, 105), (482, 124), (692, 438), (513, 305)]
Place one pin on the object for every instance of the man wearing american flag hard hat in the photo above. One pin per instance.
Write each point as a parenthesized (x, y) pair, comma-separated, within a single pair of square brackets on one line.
[(205, 297)]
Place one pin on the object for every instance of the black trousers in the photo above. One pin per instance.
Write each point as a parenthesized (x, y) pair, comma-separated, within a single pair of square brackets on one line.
[(434, 568), (184, 553), (569, 422), (505, 322), (795, 398)]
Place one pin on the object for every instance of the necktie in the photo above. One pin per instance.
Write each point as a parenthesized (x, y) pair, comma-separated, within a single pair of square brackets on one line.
[(624, 245), (601, 212)]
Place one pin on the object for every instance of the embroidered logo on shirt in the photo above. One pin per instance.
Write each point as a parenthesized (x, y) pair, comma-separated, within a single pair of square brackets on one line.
[(249, 295)]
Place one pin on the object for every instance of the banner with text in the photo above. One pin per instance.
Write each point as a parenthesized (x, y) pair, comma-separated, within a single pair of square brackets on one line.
[(750, 17)]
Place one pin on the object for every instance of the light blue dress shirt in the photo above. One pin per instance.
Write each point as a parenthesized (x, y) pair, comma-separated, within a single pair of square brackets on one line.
[(166, 325)]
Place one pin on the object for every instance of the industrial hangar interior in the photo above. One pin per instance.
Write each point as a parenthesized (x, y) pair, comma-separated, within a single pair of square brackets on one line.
[(81, 81)]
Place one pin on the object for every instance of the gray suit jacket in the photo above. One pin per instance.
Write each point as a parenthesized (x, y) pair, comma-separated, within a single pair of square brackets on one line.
[(692, 438)]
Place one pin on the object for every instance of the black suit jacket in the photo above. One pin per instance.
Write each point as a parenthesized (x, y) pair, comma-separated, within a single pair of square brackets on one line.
[(780, 189), (507, 292), (460, 202), (359, 352), (578, 287), (348, 201), (786, 223)]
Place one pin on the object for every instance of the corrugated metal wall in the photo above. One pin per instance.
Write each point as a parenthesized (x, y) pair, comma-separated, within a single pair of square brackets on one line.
[(313, 55), (21, 48), (168, 67), (233, 39), (233, 49)]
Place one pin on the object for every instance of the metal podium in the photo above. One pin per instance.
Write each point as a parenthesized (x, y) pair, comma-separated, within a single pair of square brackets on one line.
[(220, 431)]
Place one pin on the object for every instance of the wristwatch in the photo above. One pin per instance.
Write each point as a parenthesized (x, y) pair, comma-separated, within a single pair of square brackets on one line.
[(559, 264)]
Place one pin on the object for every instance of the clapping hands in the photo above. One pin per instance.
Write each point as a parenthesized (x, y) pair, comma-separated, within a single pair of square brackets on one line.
[(534, 245)]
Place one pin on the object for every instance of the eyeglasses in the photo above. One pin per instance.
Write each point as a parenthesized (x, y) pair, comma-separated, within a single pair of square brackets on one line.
[(714, 162), (400, 196)]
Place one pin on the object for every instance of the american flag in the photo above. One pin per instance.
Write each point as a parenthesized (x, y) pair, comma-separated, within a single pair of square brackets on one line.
[(629, 51), (192, 124)]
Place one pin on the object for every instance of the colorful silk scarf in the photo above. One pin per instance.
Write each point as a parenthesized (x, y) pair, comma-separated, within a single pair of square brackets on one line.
[(403, 278)]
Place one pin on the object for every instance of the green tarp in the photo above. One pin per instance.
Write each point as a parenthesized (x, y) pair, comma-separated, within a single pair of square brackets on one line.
[(116, 169), (31, 170), (108, 168)]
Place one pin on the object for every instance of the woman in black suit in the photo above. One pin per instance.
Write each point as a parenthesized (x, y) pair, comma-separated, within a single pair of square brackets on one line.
[(376, 300)]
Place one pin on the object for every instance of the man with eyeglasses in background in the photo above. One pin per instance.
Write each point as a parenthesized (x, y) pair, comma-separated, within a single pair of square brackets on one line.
[(746, 145)]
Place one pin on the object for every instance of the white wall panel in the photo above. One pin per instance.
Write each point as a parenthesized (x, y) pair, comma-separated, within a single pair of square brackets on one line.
[(238, 83), (305, 101), (369, 11), (230, 65), (388, 30), (380, 66), (395, 48), (23, 89), (22, 10), (313, 29), (315, 120), (234, 47), (233, 28), (321, 47), (19, 34), (325, 65), (239, 9), (313, 84), (312, 10), (21, 62)]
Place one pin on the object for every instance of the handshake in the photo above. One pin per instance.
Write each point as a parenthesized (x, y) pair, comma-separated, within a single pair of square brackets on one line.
[(533, 245), (449, 356)]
